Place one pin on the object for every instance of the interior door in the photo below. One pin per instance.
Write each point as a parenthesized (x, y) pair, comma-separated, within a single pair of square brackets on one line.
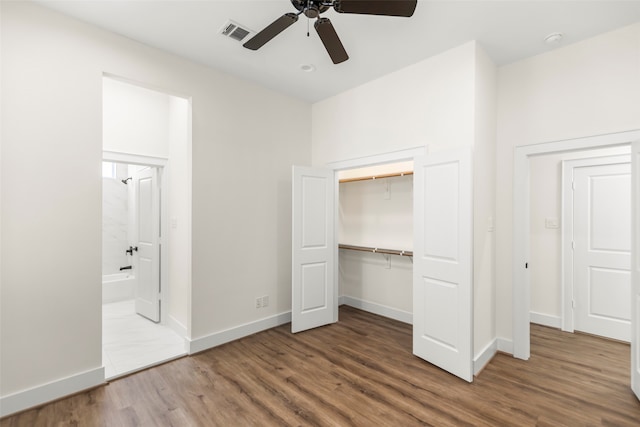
[(442, 254), (147, 229), (314, 297), (602, 250), (635, 268)]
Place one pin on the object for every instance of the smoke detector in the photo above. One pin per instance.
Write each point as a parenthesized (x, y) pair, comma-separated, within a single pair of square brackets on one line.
[(235, 31)]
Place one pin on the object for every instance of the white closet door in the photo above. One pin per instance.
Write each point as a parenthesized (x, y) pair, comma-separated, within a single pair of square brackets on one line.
[(314, 299), (442, 269), (635, 268), (147, 228)]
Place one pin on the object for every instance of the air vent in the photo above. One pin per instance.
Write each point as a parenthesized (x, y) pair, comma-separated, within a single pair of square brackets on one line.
[(235, 31)]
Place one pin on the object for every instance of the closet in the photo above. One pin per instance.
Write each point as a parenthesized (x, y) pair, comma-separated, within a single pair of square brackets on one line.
[(406, 249), (375, 237)]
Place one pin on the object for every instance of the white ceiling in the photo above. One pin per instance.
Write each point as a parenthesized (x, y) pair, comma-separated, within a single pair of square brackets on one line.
[(508, 31)]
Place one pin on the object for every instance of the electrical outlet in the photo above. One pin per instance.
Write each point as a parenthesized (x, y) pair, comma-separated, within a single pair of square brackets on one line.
[(265, 301), (258, 302)]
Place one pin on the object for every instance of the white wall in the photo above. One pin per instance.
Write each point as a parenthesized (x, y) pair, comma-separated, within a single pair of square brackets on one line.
[(52, 72), (136, 119), (179, 171), (445, 102), (428, 103), (588, 88), (545, 243), (484, 197)]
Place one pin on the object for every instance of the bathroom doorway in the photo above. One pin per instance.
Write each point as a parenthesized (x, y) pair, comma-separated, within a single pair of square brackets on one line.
[(135, 334), (146, 144)]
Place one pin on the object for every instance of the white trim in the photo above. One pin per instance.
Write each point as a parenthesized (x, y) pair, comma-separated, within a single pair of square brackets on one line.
[(379, 309), (177, 327), (546, 319), (505, 345), (520, 243), (133, 159), (218, 338), (45, 393), (377, 159), (566, 285), (485, 355)]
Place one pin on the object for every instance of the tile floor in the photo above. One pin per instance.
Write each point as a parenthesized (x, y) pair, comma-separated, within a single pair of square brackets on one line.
[(130, 342)]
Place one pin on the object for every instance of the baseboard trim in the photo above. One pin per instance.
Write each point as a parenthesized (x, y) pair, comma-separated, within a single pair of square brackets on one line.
[(545, 319), (218, 338), (379, 309), (176, 326), (48, 392), (484, 357), (505, 345)]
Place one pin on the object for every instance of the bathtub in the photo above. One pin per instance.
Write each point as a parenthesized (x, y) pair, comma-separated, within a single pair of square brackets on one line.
[(118, 287)]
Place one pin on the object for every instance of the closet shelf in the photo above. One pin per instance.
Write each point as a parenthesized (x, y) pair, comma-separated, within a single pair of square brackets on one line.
[(376, 250), (366, 178)]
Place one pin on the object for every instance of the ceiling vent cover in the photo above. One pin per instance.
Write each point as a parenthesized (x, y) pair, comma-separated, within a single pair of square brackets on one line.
[(235, 31)]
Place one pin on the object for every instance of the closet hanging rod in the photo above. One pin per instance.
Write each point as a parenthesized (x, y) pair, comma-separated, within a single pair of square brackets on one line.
[(386, 175), (376, 250)]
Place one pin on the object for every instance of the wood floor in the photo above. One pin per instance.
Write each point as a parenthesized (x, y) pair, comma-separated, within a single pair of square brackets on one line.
[(360, 372)]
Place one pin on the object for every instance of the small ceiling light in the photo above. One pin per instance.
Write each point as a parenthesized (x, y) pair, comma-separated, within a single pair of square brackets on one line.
[(308, 68), (554, 39)]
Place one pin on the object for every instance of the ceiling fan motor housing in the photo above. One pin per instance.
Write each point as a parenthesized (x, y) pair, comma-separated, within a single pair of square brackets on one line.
[(311, 8)]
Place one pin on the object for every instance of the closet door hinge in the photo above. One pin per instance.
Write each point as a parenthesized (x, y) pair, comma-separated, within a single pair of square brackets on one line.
[(573, 185), (573, 244), (573, 303)]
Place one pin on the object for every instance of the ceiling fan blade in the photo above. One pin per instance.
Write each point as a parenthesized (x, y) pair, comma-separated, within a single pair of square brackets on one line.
[(376, 7), (330, 39), (272, 30)]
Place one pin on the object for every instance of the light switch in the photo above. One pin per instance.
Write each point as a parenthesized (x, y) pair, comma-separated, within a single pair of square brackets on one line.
[(551, 223), (174, 223)]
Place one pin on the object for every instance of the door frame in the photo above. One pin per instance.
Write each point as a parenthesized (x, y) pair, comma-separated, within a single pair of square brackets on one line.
[(161, 164), (362, 162), (566, 280), (521, 292)]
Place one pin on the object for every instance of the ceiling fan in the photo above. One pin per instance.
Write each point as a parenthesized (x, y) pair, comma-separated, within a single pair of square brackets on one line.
[(313, 8)]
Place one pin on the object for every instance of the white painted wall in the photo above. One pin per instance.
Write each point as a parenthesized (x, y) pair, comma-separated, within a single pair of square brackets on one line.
[(179, 176), (367, 218), (445, 102), (428, 103), (545, 242), (136, 119), (484, 191), (52, 71), (588, 88)]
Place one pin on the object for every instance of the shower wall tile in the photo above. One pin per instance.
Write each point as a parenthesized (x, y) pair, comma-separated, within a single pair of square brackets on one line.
[(115, 225)]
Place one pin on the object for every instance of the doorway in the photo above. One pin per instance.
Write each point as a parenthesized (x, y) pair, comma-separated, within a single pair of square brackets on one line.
[(597, 246), (521, 224), (149, 131), (135, 332)]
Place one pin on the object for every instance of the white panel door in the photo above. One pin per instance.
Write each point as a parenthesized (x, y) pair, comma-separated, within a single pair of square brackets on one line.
[(602, 252), (314, 297), (635, 269), (147, 228), (442, 254)]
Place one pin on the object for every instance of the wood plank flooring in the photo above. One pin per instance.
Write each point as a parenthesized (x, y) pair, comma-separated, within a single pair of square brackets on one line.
[(360, 372)]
